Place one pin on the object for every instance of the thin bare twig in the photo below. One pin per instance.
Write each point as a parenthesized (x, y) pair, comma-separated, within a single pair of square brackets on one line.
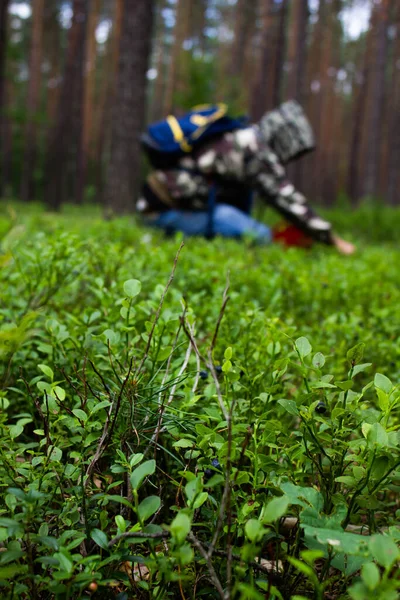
[(137, 534), (213, 575)]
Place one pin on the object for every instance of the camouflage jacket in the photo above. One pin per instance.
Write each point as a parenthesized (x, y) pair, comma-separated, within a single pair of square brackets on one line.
[(243, 160)]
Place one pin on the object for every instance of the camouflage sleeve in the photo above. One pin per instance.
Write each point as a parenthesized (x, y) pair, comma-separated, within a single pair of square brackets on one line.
[(243, 157), (270, 181)]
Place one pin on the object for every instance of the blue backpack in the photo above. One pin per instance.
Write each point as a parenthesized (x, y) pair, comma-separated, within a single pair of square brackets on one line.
[(165, 142)]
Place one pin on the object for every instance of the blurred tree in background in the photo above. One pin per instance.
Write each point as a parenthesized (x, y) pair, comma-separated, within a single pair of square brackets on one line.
[(80, 78)]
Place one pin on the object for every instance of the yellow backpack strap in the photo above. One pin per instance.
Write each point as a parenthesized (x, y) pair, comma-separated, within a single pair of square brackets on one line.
[(204, 121), (178, 133)]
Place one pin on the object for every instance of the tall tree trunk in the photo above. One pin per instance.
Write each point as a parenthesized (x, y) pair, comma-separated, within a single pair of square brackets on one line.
[(3, 46), (297, 50), (331, 105), (378, 71), (176, 76), (297, 66), (279, 58), (107, 94), (123, 173), (88, 98), (265, 75), (35, 63), (52, 53), (89, 82), (242, 53), (393, 192), (64, 160), (360, 104), (161, 51)]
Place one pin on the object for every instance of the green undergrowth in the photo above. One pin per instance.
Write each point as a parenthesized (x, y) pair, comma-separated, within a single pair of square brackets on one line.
[(216, 420)]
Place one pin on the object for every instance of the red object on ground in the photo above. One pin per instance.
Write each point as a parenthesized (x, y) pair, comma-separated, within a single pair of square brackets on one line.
[(289, 235)]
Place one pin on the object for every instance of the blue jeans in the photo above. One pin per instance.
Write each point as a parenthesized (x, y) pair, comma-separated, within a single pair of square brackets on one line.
[(228, 221)]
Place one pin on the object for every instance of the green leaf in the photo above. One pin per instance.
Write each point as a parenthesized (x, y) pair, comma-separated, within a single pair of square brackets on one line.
[(303, 347), (59, 393), (47, 371), (11, 571), (183, 443), (121, 523), (375, 434), (384, 550), (347, 480), (141, 472), (65, 563), (164, 353), (55, 453), (345, 385), (148, 507), (355, 354), (199, 500), (180, 527), (383, 383), (290, 406), (255, 530), (80, 414), (111, 337), (100, 406), (100, 538), (370, 575), (275, 509), (132, 287), (359, 368), (228, 353), (318, 360)]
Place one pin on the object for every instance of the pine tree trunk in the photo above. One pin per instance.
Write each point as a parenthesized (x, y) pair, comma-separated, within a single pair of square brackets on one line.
[(393, 193), (297, 73), (35, 63), (378, 71), (90, 83), (360, 103), (279, 58), (161, 50), (107, 94), (64, 160), (52, 50), (176, 83), (123, 173), (3, 45), (297, 50), (265, 76)]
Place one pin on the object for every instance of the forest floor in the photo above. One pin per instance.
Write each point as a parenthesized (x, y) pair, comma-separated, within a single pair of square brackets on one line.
[(210, 420)]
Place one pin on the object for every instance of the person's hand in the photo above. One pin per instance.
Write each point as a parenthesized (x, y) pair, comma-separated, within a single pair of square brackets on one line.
[(343, 247)]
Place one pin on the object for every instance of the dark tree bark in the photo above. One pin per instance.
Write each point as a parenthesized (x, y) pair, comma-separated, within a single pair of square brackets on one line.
[(177, 79), (378, 72), (297, 50), (3, 46), (35, 63), (360, 104), (264, 82), (393, 192), (160, 65), (280, 53), (123, 173), (297, 72), (64, 160)]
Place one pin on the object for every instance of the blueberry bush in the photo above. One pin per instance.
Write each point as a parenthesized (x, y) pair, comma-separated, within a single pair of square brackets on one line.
[(207, 420)]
